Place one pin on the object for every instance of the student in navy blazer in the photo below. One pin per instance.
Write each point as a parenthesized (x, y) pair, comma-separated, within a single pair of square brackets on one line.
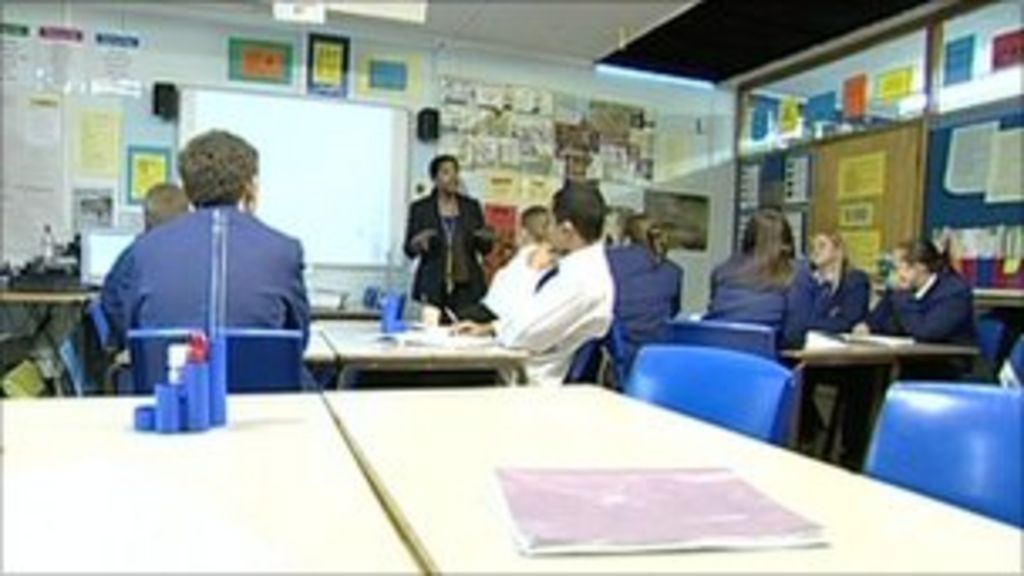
[(648, 286), (754, 286), (164, 202), (930, 303), (830, 295), (170, 266)]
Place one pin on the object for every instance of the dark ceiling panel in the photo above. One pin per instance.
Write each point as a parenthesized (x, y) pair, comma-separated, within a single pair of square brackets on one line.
[(718, 39)]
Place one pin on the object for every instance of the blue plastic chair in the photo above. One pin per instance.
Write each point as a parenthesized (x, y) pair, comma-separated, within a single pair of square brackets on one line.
[(99, 322), (583, 362), (1012, 373), (732, 389), (750, 338), (259, 360), (991, 337), (960, 443)]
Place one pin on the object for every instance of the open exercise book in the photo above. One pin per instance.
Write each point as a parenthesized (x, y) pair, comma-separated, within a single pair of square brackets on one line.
[(822, 341), (438, 337), (563, 511)]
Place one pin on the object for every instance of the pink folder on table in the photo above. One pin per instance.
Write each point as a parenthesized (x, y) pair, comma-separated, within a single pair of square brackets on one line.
[(565, 511)]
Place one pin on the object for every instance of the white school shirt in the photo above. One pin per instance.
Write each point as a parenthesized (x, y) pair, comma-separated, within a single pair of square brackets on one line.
[(514, 284), (574, 306)]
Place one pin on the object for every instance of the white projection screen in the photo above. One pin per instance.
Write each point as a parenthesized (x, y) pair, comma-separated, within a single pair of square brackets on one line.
[(332, 174)]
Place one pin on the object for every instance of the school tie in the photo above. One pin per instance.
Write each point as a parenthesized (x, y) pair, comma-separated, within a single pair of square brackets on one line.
[(544, 279)]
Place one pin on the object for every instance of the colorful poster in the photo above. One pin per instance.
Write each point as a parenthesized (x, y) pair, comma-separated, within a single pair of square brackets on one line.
[(764, 109), (327, 65), (147, 167), (389, 75), (958, 62), (789, 115), (114, 64), (260, 61), (855, 96), (862, 176), (1008, 49), (863, 248), (894, 85), (821, 108), (98, 143)]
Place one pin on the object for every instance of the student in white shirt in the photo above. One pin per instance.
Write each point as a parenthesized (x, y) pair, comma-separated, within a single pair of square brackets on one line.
[(516, 282), (573, 302)]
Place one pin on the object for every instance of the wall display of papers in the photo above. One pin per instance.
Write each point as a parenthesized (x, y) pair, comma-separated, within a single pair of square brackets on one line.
[(496, 128)]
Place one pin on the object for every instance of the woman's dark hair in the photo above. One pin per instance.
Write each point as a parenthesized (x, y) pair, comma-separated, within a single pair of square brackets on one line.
[(217, 168), (644, 231), (926, 253), (435, 164), (768, 242)]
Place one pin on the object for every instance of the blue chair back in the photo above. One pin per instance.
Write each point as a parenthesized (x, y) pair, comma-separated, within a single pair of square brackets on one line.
[(960, 443), (991, 337), (99, 323), (617, 350), (259, 360), (750, 338), (1013, 373), (732, 389)]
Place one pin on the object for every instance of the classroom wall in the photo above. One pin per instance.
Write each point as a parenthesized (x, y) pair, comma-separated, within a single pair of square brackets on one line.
[(187, 44)]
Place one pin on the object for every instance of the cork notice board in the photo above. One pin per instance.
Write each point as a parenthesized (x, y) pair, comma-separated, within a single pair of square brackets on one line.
[(868, 188)]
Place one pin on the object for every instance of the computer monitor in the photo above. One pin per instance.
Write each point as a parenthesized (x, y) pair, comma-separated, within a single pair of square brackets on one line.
[(100, 249)]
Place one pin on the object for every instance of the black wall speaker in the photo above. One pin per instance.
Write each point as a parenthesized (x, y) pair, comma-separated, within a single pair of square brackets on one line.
[(428, 124), (165, 101)]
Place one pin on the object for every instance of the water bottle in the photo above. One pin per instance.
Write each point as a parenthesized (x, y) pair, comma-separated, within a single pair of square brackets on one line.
[(48, 244)]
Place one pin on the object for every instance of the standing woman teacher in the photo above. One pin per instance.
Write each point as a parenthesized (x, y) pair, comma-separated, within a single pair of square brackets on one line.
[(446, 232)]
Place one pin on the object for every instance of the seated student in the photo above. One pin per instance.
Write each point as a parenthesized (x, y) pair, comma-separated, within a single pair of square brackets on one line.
[(163, 203), (170, 266), (754, 286), (930, 303), (516, 282), (573, 303), (831, 294), (648, 287)]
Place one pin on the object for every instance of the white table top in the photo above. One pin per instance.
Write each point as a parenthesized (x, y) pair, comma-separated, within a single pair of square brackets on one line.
[(355, 341), (318, 349), (278, 491), (435, 453)]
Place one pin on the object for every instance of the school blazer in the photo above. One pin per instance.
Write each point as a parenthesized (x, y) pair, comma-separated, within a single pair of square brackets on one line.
[(428, 283), (170, 275), (944, 315), (647, 295), (826, 310)]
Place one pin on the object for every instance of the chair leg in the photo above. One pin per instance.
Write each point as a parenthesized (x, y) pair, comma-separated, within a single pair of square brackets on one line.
[(834, 420)]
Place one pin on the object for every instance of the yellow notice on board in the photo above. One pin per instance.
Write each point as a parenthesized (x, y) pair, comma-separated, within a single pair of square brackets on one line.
[(147, 168), (328, 64), (501, 186), (538, 189), (98, 143), (862, 176), (789, 115), (863, 248), (895, 84), (857, 215)]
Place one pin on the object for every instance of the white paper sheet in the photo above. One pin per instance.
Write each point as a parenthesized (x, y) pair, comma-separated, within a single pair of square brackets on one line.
[(1004, 171), (967, 170)]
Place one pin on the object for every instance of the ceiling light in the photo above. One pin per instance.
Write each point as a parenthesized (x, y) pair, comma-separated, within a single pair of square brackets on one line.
[(412, 11), (632, 73), (304, 12)]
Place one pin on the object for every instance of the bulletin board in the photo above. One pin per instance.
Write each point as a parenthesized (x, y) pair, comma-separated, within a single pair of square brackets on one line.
[(868, 189), (964, 170)]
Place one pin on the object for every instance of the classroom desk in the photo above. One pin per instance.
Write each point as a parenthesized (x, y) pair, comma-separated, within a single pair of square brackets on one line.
[(889, 359), (276, 492), (318, 313), (998, 298), (434, 453), (358, 347)]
